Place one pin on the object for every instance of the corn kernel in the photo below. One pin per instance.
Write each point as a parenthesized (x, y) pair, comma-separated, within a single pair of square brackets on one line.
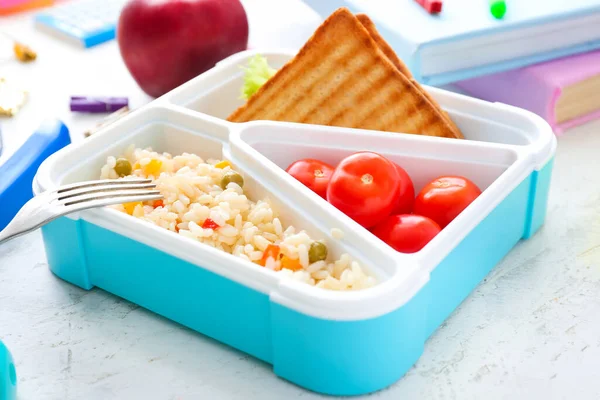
[(223, 164), (153, 167)]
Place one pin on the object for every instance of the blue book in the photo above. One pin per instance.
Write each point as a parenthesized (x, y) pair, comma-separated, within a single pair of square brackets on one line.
[(465, 40)]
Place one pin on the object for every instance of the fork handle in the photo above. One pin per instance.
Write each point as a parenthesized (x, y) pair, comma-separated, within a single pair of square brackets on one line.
[(31, 216), (12, 231)]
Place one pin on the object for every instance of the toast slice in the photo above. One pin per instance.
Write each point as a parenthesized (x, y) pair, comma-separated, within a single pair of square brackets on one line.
[(342, 78), (383, 45), (391, 55)]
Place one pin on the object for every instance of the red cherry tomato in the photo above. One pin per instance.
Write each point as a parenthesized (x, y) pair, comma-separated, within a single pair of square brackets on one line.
[(444, 198), (314, 174), (406, 233), (364, 186), (406, 193)]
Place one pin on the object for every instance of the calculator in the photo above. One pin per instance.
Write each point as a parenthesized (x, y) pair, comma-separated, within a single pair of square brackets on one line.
[(84, 22)]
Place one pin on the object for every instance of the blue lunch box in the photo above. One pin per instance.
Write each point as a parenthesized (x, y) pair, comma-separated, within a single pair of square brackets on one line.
[(338, 343)]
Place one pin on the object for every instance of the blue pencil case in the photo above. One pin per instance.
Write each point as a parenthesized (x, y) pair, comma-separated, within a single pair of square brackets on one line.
[(19, 170), (337, 343)]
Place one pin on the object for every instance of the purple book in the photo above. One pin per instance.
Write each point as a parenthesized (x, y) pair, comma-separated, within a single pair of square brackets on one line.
[(565, 92)]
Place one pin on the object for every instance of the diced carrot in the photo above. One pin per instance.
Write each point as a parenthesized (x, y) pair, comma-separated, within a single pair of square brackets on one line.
[(272, 251), (210, 224), (129, 207), (158, 203), (153, 167), (223, 164), (291, 264)]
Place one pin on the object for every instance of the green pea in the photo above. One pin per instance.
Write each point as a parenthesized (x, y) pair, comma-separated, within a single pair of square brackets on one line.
[(123, 167), (231, 176), (317, 252)]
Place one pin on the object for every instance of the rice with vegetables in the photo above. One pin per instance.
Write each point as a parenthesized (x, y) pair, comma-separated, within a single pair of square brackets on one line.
[(204, 200)]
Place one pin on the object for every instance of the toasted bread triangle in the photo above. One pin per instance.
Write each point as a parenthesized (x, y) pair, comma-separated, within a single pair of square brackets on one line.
[(383, 45), (341, 77), (393, 57)]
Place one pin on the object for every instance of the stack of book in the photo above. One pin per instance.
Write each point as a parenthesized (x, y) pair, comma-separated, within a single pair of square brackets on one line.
[(565, 92), (538, 55)]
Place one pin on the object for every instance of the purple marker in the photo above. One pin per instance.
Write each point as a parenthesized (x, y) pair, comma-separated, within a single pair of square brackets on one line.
[(98, 104)]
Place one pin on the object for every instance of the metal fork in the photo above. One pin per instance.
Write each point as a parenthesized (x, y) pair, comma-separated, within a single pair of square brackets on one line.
[(68, 199)]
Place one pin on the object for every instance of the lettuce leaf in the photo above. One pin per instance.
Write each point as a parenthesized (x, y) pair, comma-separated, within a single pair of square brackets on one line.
[(257, 73)]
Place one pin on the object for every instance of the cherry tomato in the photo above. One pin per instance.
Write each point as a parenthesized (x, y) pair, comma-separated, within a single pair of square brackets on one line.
[(406, 193), (364, 186), (314, 174), (444, 198), (406, 233)]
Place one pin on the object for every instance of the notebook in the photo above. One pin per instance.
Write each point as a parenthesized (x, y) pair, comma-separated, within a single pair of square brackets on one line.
[(565, 92), (465, 40)]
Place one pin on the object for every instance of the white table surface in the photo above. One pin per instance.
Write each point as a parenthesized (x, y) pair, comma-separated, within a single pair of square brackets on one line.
[(531, 330)]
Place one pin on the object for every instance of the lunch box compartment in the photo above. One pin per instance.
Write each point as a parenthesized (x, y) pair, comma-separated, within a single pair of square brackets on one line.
[(509, 209), (423, 158), (338, 343), (162, 133), (478, 120)]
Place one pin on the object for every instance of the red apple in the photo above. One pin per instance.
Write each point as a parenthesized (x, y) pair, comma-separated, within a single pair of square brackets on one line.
[(165, 43)]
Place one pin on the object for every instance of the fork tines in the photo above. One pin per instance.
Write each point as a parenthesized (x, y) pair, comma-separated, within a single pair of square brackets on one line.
[(49, 205), (101, 182), (108, 191)]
